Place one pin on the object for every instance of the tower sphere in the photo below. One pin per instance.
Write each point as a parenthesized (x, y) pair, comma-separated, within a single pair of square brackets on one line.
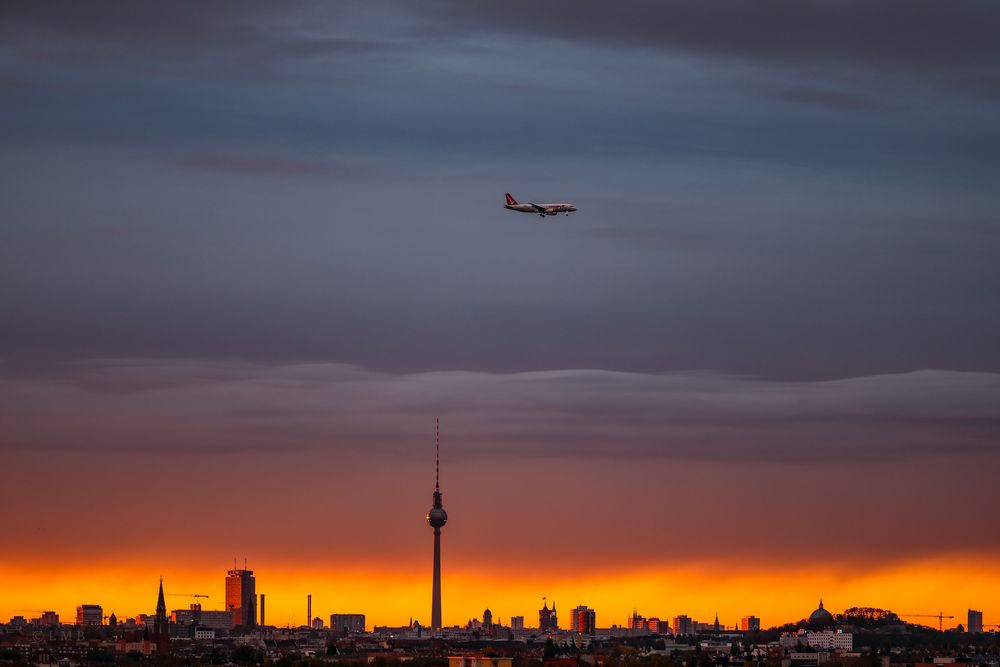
[(437, 517)]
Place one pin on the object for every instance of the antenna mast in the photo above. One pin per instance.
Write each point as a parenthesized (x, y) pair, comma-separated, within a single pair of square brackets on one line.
[(437, 453)]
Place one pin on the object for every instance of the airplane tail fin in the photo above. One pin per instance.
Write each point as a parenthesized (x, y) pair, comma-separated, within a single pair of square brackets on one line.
[(510, 200)]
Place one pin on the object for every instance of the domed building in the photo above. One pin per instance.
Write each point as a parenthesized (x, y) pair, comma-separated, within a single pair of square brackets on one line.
[(821, 618)]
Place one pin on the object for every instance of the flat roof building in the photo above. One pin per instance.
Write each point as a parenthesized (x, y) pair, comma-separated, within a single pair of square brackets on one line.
[(348, 624), (89, 614), (241, 597)]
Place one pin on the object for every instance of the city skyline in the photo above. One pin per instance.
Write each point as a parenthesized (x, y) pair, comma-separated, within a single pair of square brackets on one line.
[(249, 252)]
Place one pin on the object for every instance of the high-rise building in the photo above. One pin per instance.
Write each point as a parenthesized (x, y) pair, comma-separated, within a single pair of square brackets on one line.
[(975, 623), (683, 625), (517, 622), (262, 610), (309, 609), (317, 623), (241, 597), (89, 614), (750, 624), (161, 631), (583, 620), (636, 621), (348, 624), (437, 518), (656, 626)]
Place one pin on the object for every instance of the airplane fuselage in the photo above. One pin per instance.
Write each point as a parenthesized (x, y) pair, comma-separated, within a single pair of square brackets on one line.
[(539, 209)]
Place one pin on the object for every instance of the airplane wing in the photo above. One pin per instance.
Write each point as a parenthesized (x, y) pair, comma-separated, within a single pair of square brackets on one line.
[(540, 209)]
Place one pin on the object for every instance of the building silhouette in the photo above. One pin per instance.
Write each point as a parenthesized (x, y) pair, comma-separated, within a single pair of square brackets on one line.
[(583, 620), (437, 518), (750, 624), (975, 623), (161, 631), (683, 625), (347, 624), (89, 614), (636, 621), (547, 619), (241, 597), (821, 618)]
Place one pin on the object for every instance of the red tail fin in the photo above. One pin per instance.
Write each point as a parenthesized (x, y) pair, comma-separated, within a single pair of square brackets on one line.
[(510, 200)]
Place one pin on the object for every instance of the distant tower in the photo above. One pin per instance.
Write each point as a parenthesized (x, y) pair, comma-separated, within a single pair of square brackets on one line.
[(437, 517), (161, 634), (309, 610), (545, 617), (241, 597)]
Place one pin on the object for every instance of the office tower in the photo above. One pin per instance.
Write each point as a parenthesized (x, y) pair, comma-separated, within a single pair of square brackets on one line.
[(348, 624), (683, 625), (437, 517), (517, 622), (975, 623), (583, 620), (89, 614), (750, 624), (636, 621), (241, 597), (262, 610)]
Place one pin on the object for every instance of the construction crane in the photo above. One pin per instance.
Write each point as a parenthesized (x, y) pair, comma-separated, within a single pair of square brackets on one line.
[(187, 595), (940, 616)]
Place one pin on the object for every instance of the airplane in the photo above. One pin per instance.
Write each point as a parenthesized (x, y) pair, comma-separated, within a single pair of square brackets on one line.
[(541, 209)]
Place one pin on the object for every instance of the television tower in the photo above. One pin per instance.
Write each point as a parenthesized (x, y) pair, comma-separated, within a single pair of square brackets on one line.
[(437, 517)]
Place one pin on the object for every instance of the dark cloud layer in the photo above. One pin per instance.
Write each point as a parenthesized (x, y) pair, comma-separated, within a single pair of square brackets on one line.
[(211, 406), (912, 36)]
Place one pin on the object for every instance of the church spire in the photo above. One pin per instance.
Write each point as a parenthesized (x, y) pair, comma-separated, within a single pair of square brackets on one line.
[(161, 605)]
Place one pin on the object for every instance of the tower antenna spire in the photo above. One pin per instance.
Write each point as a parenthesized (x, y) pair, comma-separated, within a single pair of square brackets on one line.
[(437, 453)]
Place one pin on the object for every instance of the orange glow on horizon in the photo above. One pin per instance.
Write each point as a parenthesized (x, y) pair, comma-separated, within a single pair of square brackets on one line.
[(777, 596)]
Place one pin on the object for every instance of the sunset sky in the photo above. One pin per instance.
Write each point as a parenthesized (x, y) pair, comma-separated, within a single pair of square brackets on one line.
[(250, 251)]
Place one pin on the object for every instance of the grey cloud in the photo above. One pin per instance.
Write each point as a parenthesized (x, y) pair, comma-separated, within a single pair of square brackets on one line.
[(241, 40), (230, 406), (260, 164), (904, 33)]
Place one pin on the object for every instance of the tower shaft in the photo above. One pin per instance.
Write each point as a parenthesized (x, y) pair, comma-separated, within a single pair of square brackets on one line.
[(436, 595), (437, 518)]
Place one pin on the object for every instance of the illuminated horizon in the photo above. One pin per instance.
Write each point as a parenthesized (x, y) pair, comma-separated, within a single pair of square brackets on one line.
[(954, 584)]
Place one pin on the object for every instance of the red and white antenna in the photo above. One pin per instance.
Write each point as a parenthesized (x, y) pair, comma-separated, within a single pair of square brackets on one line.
[(437, 454)]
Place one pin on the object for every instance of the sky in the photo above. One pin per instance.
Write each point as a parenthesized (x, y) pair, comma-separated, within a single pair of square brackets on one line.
[(249, 252)]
